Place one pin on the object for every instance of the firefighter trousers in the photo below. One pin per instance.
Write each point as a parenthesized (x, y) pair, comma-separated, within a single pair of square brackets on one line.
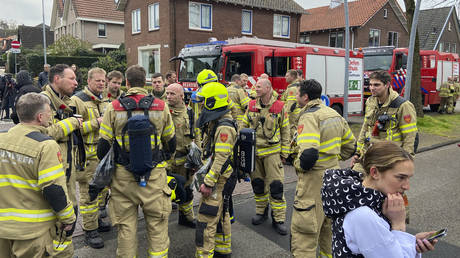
[(29, 248), (185, 208), (62, 245), (443, 104), (88, 209), (309, 226), (267, 184), (155, 201), (450, 104), (213, 230), (103, 198)]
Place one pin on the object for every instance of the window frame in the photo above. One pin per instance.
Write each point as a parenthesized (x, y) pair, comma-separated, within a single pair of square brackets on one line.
[(281, 17), (150, 48), (105, 30), (137, 13), (336, 33), (378, 43), (150, 14), (385, 13), (201, 5), (392, 38), (250, 21)]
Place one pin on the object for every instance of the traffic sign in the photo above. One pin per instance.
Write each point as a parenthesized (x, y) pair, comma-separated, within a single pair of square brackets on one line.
[(15, 44), (15, 50)]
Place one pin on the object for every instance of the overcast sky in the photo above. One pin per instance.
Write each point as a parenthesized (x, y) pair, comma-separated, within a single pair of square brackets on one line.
[(29, 12)]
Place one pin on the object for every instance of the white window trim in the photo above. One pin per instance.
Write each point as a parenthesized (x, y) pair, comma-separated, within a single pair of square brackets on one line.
[(281, 29), (132, 21), (397, 37), (153, 27), (210, 21), (105, 29), (380, 36), (385, 13), (148, 47), (245, 32)]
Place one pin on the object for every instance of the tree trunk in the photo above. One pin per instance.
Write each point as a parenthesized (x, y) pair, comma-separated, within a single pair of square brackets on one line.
[(416, 91)]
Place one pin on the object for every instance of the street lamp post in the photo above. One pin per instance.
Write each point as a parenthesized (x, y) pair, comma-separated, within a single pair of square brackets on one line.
[(44, 32)]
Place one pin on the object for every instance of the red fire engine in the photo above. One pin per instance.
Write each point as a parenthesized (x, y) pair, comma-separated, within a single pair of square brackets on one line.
[(435, 68), (255, 56)]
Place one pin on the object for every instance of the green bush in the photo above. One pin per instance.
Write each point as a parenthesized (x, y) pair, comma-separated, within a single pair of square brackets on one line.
[(114, 60), (35, 62)]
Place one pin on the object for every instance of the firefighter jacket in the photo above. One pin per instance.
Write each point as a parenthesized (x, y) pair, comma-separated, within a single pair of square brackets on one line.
[(271, 124), (444, 90), (62, 122), (240, 98), (116, 117), (289, 95), (222, 143), (457, 91), (184, 130), (33, 192), (401, 125), (108, 97), (160, 95), (451, 90), (90, 131), (323, 131)]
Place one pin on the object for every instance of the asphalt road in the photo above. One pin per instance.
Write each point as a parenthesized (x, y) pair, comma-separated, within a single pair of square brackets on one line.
[(434, 204)]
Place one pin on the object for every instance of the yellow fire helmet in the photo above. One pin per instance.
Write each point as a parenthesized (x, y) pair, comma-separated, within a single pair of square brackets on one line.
[(206, 76), (215, 101)]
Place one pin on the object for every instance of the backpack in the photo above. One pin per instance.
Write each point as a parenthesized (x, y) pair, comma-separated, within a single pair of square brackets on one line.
[(141, 159)]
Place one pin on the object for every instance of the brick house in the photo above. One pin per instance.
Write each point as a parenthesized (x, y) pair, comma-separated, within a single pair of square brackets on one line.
[(372, 23), (97, 22), (439, 30), (32, 36), (156, 30)]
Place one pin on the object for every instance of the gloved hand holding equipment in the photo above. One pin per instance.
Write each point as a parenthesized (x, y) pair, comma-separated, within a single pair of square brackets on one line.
[(198, 177), (103, 174)]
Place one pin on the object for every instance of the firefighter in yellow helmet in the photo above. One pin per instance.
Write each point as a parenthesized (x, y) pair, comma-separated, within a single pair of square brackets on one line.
[(33, 191), (213, 230), (141, 130)]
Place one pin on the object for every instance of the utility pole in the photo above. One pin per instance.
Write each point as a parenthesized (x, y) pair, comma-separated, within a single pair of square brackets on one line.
[(347, 61), (410, 58), (44, 32)]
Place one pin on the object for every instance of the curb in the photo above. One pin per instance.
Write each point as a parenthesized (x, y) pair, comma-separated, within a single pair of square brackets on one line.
[(435, 146)]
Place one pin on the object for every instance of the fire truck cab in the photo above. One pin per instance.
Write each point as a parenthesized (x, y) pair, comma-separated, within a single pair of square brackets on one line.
[(254, 57)]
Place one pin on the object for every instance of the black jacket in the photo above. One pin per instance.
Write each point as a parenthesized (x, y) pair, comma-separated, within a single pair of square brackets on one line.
[(23, 89), (42, 79)]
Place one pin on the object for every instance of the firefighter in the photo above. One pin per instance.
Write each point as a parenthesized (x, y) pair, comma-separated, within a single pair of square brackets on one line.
[(289, 95), (113, 91), (238, 96), (92, 97), (323, 138), (213, 230), (183, 123), (268, 117), (158, 86), (64, 129), (253, 93), (450, 99), (33, 192), (130, 188), (444, 95)]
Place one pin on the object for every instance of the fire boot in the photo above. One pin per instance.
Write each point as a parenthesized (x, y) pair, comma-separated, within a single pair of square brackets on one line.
[(184, 221), (220, 255), (93, 239), (103, 226), (260, 218), (280, 227)]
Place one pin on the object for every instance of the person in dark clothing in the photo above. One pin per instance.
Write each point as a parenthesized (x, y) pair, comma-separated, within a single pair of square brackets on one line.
[(24, 85), (43, 76), (79, 76), (7, 94)]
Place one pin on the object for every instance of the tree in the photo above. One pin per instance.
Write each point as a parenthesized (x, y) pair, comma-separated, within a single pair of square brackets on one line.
[(416, 91), (67, 45), (114, 60)]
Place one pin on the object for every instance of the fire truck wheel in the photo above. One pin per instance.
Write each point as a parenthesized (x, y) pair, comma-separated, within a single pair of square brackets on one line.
[(338, 109), (434, 107)]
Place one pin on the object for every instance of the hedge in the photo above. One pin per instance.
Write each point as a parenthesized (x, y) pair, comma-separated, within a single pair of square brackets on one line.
[(35, 62)]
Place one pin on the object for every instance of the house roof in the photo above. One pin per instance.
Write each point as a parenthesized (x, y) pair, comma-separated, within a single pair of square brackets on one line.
[(289, 6), (101, 10), (325, 18), (430, 25), (32, 36)]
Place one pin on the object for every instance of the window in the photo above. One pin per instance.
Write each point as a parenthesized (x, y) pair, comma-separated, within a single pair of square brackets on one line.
[(385, 13), (101, 32), (449, 28), (136, 21), (393, 38), (246, 22), (453, 48), (149, 58), (200, 16), (304, 39), (441, 47), (279, 67), (154, 16), (447, 47), (238, 63), (281, 25), (374, 38), (336, 39)]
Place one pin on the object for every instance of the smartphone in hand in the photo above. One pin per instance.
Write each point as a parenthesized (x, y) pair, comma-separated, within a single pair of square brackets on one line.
[(437, 234)]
